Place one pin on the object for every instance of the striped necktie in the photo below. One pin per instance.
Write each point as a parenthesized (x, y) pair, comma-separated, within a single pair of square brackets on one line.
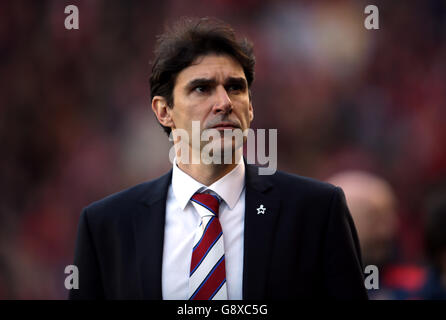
[(207, 279)]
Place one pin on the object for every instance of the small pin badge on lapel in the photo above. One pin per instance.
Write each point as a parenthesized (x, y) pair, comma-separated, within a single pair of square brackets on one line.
[(261, 209)]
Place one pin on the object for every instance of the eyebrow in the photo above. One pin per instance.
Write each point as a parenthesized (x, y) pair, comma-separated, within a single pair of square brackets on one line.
[(213, 82)]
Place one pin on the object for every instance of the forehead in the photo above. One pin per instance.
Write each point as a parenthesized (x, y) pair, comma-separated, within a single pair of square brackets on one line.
[(210, 66)]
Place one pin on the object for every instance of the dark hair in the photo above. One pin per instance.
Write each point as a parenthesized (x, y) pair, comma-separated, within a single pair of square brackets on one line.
[(190, 38)]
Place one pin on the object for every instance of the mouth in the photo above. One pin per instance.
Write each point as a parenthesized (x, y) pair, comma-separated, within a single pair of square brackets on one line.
[(225, 125)]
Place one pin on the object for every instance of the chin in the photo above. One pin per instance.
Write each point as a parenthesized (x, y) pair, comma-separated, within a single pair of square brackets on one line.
[(218, 150)]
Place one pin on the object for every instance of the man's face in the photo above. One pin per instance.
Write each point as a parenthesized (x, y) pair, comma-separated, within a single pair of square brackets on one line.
[(214, 91)]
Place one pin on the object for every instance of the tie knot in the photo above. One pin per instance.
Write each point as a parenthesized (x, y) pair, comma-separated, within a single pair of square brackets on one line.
[(209, 201)]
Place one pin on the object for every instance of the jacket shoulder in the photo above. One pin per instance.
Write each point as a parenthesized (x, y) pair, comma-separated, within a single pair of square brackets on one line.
[(301, 184), (146, 192)]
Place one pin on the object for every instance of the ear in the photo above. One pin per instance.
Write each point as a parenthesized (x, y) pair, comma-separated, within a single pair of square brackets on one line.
[(251, 112), (162, 111)]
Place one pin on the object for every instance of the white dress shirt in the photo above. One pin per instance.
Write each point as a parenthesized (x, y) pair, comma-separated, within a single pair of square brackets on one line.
[(182, 221)]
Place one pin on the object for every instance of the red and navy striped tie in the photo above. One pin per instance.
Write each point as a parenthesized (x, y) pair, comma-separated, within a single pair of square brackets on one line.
[(207, 279)]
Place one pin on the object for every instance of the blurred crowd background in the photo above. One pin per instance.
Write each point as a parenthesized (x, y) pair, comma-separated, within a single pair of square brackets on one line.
[(363, 109)]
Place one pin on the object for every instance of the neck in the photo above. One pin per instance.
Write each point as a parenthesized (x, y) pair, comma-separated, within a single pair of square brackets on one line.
[(206, 174)]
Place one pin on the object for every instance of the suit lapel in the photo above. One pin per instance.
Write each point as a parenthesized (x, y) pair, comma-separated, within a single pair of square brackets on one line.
[(149, 220), (259, 233)]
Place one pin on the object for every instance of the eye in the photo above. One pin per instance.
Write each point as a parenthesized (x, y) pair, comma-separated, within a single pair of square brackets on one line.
[(201, 89), (235, 88)]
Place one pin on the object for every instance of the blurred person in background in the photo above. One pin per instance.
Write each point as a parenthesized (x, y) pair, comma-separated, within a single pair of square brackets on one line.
[(373, 205)]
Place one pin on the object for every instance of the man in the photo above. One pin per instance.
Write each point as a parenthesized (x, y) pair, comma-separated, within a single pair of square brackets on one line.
[(215, 230)]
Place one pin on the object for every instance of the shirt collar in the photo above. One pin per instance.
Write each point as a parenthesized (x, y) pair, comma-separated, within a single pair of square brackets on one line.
[(229, 187)]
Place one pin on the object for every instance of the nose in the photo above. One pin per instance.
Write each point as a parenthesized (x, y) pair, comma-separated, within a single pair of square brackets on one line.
[(222, 101)]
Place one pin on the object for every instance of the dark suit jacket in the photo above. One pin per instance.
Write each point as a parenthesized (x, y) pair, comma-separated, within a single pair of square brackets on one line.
[(304, 246)]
